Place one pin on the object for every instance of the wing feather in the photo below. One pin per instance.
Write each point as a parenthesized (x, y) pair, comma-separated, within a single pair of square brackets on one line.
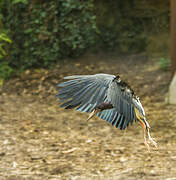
[(124, 102), (85, 91), (114, 118)]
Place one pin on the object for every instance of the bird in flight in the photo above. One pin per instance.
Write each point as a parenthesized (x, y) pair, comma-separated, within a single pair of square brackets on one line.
[(106, 96)]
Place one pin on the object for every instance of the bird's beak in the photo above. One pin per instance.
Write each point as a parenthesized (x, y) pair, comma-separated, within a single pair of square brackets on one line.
[(92, 114)]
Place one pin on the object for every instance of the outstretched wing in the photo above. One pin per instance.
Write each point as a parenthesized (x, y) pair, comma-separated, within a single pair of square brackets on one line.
[(84, 91), (87, 91)]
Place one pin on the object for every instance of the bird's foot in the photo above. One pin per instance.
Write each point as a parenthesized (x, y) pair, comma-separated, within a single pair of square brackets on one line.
[(149, 141), (146, 144), (152, 141)]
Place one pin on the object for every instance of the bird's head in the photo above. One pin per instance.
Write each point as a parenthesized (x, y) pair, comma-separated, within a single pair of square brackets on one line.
[(117, 78)]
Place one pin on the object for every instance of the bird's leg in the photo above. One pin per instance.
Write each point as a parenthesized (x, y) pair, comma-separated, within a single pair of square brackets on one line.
[(150, 138), (144, 131)]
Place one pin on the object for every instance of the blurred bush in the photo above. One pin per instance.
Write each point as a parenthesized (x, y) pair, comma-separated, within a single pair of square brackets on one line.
[(5, 70), (43, 32), (164, 64), (4, 39), (131, 26)]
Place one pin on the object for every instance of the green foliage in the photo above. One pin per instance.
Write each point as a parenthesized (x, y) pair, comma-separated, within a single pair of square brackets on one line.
[(19, 1), (164, 63), (4, 39), (5, 70), (44, 32)]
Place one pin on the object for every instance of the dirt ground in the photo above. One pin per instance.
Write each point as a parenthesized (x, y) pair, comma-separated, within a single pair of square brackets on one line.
[(39, 140)]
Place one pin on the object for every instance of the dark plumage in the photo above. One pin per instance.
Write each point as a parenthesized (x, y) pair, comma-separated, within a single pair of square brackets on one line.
[(105, 95)]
